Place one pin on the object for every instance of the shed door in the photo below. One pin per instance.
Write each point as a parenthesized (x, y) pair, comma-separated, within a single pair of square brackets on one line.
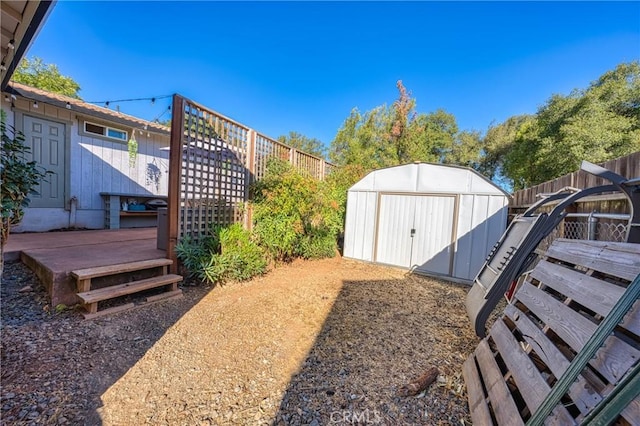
[(416, 231), (46, 141)]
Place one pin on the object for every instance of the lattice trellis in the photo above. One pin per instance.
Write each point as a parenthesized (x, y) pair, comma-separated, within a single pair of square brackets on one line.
[(213, 173), (213, 161), (267, 148)]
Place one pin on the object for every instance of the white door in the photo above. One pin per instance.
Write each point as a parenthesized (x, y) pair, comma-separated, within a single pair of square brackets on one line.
[(433, 240), (46, 141), (416, 232), (395, 222)]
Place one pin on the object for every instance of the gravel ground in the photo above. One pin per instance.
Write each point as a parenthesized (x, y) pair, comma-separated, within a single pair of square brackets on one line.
[(313, 342)]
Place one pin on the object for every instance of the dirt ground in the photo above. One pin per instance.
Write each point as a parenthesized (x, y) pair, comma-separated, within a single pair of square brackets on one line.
[(313, 342)]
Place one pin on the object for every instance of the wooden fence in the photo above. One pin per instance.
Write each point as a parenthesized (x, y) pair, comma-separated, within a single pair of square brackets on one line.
[(628, 166), (212, 162)]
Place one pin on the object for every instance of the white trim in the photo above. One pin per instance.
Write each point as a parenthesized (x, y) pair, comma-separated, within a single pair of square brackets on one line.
[(106, 131)]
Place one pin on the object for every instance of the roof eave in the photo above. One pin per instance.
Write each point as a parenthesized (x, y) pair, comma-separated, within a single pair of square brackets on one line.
[(33, 18)]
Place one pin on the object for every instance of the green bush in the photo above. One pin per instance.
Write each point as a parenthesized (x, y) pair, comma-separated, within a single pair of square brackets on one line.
[(241, 257), (224, 254), (296, 215)]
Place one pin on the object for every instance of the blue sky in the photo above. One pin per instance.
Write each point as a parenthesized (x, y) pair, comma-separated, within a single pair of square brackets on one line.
[(303, 66)]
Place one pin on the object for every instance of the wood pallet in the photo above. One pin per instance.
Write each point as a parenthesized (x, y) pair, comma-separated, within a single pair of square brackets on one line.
[(91, 297), (554, 313)]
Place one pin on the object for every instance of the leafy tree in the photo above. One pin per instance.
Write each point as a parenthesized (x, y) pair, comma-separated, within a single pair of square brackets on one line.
[(388, 136), (466, 150), (596, 124), (496, 144), (35, 73), (303, 143)]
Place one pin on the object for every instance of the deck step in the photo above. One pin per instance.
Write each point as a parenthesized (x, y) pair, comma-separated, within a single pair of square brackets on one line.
[(101, 271), (94, 296), (177, 294)]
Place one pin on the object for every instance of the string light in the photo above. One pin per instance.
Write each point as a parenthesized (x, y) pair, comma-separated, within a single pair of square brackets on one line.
[(35, 104), (12, 44), (153, 99), (156, 120), (68, 105), (6, 98), (3, 67)]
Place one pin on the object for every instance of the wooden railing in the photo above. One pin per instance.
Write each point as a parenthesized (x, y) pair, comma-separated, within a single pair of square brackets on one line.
[(628, 166)]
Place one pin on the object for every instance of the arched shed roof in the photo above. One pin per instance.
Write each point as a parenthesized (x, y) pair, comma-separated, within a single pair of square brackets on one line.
[(428, 178)]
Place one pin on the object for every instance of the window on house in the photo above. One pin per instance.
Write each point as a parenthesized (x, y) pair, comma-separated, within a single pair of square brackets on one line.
[(106, 131)]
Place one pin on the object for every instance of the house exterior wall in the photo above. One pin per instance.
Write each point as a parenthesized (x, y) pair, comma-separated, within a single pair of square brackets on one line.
[(94, 165)]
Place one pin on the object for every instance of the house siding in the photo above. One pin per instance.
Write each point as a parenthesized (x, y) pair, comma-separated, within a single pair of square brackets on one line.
[(94, 165)]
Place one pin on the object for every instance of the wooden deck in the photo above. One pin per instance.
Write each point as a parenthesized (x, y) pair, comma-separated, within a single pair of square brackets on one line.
[(53, 255)]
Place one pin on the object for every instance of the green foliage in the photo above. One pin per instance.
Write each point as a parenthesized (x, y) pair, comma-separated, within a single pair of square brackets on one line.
[(303, 143), (294, 214), (35, 73), (240, 254), (225, 253), (18, 178), (389, 136), (194, 253), (597, 124), (132, 148)]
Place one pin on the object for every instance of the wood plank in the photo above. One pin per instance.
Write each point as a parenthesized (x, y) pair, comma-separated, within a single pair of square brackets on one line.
[(477, 402), (631, 413), (128, 288), (612, 360), (504, 407), (139, 213), (582, 393), (108, 311), (84, 285), (595, 294), (533, 387), (620, 260), (102, 271), (632, 320)]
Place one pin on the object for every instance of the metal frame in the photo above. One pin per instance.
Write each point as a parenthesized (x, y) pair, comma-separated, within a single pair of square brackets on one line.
[(492, 281)]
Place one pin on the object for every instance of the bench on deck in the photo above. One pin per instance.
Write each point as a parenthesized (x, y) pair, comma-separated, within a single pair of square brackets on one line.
[(116, 218), (550, 329)]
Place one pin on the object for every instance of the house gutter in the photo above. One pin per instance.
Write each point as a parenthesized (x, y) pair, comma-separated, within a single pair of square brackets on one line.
[(35, 23)]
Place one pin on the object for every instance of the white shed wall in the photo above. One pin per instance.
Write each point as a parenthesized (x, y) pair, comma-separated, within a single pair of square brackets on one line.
[(95, 165), (479, 221), (360, 225)]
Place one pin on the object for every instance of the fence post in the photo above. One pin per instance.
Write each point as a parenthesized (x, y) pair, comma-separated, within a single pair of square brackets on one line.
[(250, 175), (175, 176), (292, 157), (592, 225)]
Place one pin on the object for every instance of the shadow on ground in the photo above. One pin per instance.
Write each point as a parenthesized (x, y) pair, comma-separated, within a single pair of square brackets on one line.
[(63, 383), (378, 336)]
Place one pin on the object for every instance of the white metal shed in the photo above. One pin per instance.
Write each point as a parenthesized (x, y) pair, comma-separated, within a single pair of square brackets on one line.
[(434, 219)]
